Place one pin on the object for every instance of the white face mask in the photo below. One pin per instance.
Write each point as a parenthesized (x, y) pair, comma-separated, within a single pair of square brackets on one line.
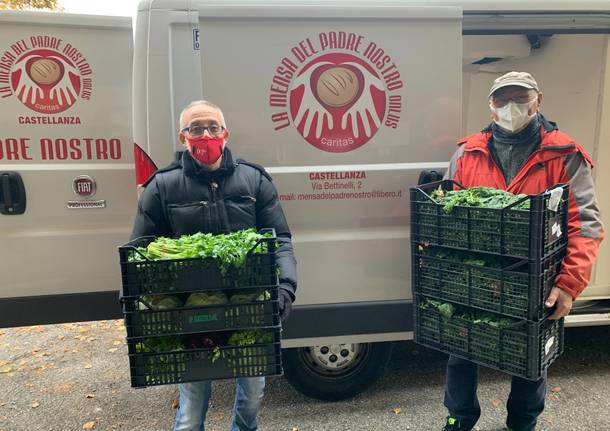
[(513, 116)]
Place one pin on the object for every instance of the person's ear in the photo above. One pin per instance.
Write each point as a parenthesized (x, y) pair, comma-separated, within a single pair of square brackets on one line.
[(539, 101), (182, 138), (492, 114)]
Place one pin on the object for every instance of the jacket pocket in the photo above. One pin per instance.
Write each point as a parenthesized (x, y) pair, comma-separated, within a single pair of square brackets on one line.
[(189, 218), (241, 211)]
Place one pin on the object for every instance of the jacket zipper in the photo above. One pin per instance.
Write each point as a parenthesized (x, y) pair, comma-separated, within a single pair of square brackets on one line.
[(213, 188)]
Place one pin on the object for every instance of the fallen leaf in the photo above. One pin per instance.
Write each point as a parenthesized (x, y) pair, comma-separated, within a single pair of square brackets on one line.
[(90, 339), (74, 351), (556, 389), (34, 405), (35, 349), (397, 410), (60, 337), (88, 366), (88, 425), (117, 342), (83, 330), (5, 370), (496, 403), (175, 404), (66, 387), (40, 329), (295, 428), (2, 404), (89, 396), (45, 354), (3, 363), (114, 349)]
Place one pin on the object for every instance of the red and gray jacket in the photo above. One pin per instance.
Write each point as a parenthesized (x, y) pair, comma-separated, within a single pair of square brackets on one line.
[(558, 160)]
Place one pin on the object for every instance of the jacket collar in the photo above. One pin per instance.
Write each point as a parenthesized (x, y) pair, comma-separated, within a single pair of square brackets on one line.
[(551, 139)]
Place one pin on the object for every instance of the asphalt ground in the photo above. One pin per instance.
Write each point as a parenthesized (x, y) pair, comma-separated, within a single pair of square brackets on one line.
[(75, 376)]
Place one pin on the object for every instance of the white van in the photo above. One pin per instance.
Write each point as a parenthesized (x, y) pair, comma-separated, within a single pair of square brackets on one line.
[(345, 103)]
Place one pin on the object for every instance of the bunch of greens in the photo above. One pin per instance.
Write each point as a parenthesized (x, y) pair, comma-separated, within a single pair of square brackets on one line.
[(162, 367), (159, 302), (230, 250), (444, 308), (468, 258), (160, 345), (249, 337), (486, 197), (243, 296), (478, 317), (201, 299)]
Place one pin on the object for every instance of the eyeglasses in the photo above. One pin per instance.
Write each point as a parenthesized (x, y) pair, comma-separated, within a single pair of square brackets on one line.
[(501, 101), (196, 130)]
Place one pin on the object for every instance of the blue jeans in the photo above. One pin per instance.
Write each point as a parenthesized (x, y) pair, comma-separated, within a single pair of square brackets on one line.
[(195, 398), (525, 402)]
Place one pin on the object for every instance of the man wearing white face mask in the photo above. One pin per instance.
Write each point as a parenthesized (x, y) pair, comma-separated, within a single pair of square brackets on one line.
[(522, 152)]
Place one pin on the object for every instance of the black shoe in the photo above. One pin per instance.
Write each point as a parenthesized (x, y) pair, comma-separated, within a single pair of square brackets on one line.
[(454, 425)]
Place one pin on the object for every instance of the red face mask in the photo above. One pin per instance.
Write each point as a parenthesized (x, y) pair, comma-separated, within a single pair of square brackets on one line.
[(206, 149)]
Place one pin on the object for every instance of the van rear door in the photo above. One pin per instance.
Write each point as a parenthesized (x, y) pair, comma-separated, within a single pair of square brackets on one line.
[(66, 160)]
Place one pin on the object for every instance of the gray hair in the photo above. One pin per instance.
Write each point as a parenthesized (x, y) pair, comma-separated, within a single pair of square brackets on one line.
[(202, 103)]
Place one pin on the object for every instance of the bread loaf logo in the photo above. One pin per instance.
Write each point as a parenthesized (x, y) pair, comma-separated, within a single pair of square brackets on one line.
[(337, 92), (45, 73)]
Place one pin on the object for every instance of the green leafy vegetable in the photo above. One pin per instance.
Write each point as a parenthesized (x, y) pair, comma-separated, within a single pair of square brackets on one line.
[(486, 197), (199, 299), (231, 250), (249, 337), (159, 302)]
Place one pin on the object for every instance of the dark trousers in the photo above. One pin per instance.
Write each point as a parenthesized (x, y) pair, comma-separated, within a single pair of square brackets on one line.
[(525, 402)]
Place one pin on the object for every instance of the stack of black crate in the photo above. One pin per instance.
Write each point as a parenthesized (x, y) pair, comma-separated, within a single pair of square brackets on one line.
[(174, 343), (526, 247)]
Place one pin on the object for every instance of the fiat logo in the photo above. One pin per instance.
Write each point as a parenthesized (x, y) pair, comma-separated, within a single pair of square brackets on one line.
[(83, 186)]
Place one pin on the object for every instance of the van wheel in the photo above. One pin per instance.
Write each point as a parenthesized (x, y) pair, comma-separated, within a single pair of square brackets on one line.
[(335, 371)]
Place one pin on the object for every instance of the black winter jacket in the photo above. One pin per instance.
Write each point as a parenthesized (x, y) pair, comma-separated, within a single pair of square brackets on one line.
[(184, 199)]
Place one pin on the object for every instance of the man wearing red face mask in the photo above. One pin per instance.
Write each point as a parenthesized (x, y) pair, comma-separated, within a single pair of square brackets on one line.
[(206, 190)]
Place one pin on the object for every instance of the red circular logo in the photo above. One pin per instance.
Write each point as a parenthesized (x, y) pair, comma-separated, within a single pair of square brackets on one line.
[(46, 81), (337, 102), (84, 186)]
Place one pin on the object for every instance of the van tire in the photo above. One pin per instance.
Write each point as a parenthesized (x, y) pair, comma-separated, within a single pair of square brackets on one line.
[(305, 371)]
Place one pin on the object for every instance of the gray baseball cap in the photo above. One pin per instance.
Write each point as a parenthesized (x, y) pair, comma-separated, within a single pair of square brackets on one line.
[(522, 79)]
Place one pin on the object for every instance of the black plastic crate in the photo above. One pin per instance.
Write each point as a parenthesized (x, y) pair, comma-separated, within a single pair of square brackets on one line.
[(141, 276), (516, 288), (524, 349), (171, 367), (532, 233), (262, 311)]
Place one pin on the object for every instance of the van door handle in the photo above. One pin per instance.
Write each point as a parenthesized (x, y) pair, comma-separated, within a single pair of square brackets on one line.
[(12, 194)]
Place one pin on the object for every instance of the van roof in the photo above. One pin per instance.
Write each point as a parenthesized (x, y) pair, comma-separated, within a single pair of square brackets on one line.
[(65, 19), (469, 6)]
